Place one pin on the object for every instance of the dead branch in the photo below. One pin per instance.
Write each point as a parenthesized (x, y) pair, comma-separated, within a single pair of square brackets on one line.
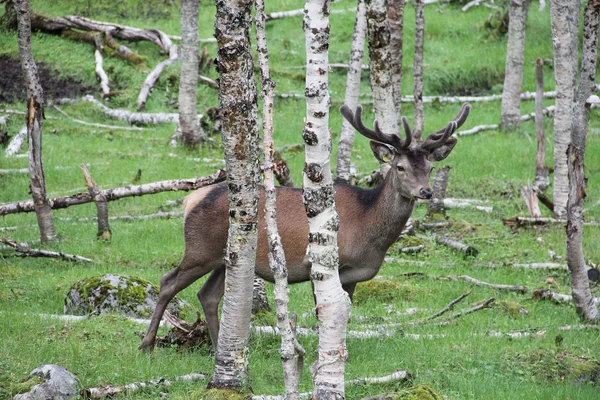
[(110, 391), (518, 222), (470, 4), (412, 249), (207, 81), (557, 297), (104, 231), (542, 180), (119, 193), (101, 74), (476, 282), (126, 128), (456, 245), (29, 252), (542, 266), (133, 117), (485, 304), (165, 215), (531, 200), (444, 310), (15, 145), (546, 111), (155, 74), (544, 199), (295, 13)]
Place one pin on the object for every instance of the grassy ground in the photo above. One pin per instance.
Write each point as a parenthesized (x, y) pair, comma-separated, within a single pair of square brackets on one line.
[(461, 361)]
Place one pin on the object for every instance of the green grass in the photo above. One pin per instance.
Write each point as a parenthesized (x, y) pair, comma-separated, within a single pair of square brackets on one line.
[(461, 362)]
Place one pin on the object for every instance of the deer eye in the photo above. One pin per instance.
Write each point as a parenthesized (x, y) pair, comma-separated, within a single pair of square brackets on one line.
[(400, 168)]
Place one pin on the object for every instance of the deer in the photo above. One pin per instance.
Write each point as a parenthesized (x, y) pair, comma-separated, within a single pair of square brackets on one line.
[(370, 220)]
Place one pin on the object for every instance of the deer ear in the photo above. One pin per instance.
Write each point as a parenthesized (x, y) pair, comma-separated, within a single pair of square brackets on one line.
[(382, 152), (444, 151)]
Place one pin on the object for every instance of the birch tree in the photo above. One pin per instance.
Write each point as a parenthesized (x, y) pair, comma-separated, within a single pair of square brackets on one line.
[(289, 345), (191, 132), (418, 69), (34, 116), (396, 21), (237, 97), (515, 55), (352, 91), (333, 304), (378, 35), (580, 286), (564, 21)]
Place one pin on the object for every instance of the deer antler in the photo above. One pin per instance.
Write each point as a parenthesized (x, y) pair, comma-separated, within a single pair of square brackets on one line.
[(437, 139), (391, 139)]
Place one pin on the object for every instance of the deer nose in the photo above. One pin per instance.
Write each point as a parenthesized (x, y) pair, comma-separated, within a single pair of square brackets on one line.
[(426, 193)]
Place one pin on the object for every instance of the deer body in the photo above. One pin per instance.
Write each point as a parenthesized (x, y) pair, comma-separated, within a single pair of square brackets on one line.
[(370, 221)]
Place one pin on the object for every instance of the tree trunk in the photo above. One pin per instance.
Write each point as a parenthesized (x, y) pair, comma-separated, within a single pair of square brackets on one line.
[(440, 183), (352, 91), (378, 35), (35, 114), (418, 69), (513, 74), (333, 304), (104, 231), (237, 97), (289, 344), (396, 21), (564, 21), (542, 180), (582, 297), (191, 132)]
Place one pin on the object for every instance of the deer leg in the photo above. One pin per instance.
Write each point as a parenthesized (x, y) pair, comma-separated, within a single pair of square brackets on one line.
[(210, 296), (171, 283), (349, 288)]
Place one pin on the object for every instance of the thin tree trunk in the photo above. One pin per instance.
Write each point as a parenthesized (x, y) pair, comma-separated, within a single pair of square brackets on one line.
[(290, 348), (333, 304), (35, 114), (542, 180), (564, 21), (378, 35), (396, 21), (436, 204), (237, 97), (418, 70), (104, 231), (191, 132), (513, 74), (352, 91), (582, 297)]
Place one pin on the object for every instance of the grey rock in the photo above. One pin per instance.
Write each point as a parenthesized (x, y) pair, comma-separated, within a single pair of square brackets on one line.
[(59, 384), (127, 295)]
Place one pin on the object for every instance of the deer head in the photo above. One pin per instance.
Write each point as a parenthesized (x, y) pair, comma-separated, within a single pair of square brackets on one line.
[(411, 163)]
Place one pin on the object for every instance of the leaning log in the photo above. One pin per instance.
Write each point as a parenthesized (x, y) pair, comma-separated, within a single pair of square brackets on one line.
[(119, 193), (15, 144), (155, 74), (29, 252), (104, 231)]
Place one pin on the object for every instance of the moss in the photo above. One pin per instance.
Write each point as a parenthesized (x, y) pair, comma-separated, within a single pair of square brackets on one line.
[(512, 308), (26, 386), (385, 290), (217, 394), (410, 241), (419, 392), (264, 318)]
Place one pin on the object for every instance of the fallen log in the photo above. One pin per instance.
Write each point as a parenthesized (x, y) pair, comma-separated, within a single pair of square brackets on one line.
[(295, 13), (483, 305), (456, 245), (133, 117), (557, 297), (15, 144), (29, 252), (118, 193), (110, 391), (155, 74), (111, 127), (101, 74), (531, 201), (480, 128), (518, 222), (476, 282), (165, 215)]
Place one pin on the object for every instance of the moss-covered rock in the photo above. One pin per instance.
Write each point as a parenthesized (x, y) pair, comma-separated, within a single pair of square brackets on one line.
[(387, 290), (127, 295), (48, 382), (418, 392)]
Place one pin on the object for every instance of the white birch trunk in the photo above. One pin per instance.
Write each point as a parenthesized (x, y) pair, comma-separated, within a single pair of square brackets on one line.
[(154, 75), (542, 179), (564, 21), (237, 97), (418, 70), (396, 21), (289, 344), (580, 287), (333, 304), (35, 114), (513, 74), (378, 34), (352, 92), (100, 73), (191, 132)]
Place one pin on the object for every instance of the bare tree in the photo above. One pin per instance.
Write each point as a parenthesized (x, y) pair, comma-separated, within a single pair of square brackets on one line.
[(582, 297), (513, 75), (34, 116), (418, 69), (542, 179), (333, 303), (396, 21), (564, 21), (352, 92), (191, 131), (289, 345), (237, 97)]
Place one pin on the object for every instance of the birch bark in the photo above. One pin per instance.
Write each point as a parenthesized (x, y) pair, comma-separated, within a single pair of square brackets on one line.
[(378, 34), (580, 287), (289, 344), (237, 97), (396, 21), (191, 132), (35, 114), (418, 69), (513, 75), (333, 304), (564, 21), (352, 91), (542, 179)]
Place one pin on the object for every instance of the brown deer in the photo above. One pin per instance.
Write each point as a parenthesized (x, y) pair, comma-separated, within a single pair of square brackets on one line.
[(370, 221)]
